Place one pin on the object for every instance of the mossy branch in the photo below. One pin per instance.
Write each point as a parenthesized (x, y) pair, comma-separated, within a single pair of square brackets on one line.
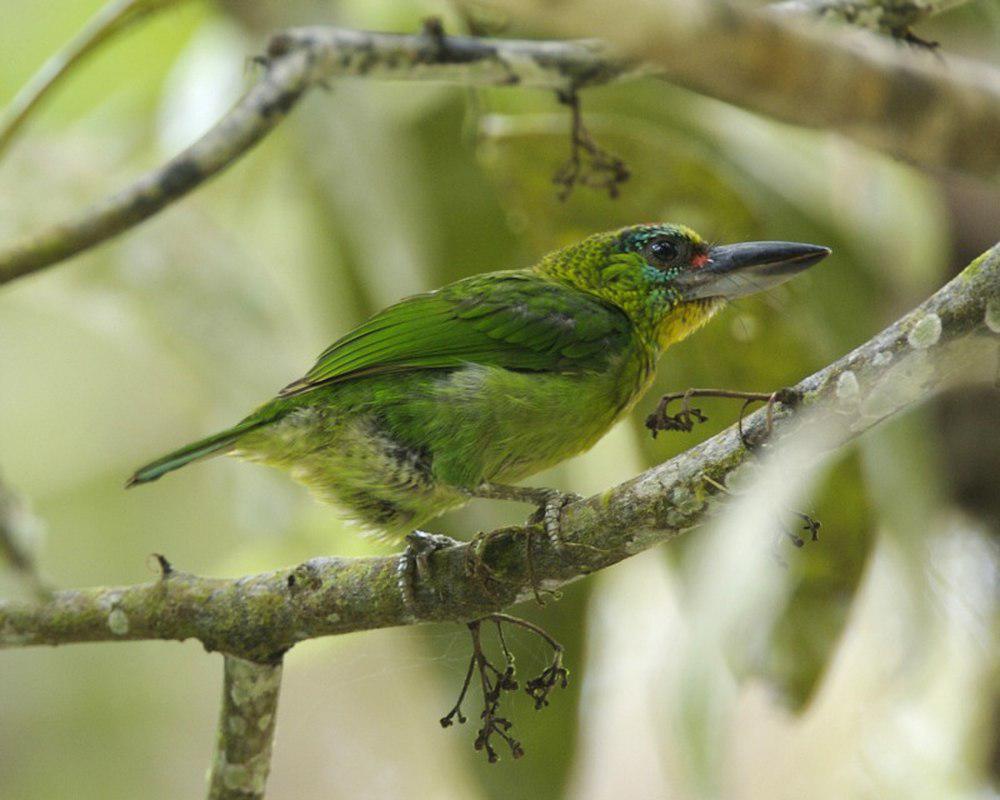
[(246, 730), (259, 617)]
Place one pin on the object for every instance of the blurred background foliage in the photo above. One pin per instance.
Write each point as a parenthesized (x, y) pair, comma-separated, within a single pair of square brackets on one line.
[(874, 675)]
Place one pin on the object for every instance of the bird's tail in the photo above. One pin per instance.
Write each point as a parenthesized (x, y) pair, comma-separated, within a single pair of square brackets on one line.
[(192, 452)]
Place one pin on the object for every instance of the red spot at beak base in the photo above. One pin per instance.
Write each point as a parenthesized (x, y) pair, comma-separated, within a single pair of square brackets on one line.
[(700, 260)]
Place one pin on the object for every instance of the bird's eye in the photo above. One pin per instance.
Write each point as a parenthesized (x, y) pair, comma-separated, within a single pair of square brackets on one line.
[(662, 251)]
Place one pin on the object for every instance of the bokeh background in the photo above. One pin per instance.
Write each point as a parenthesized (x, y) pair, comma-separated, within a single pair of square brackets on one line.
[(862, 666)]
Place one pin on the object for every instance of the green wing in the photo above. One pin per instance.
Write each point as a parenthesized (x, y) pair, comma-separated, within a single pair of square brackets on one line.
[(516, 320)]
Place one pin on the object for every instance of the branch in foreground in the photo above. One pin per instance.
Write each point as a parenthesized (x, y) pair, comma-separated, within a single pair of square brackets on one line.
[(261, 616), (246, 730)]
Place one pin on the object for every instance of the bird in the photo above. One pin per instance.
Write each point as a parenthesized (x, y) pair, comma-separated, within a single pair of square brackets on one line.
[(464, 391)]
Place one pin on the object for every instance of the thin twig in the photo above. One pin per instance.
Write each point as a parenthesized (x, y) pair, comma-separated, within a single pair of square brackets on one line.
[(257, 113), (297, 60)]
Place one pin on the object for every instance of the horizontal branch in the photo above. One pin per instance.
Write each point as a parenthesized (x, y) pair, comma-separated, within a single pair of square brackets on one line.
[(259, 617)]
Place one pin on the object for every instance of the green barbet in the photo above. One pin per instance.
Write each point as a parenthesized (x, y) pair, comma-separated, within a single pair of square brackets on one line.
[(459, 392)]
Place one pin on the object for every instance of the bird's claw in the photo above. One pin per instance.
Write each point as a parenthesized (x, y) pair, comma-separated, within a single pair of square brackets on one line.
[(414, 563), (549, 514)]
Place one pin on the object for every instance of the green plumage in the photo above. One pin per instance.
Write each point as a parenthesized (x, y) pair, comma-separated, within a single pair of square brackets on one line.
[(489, 379)]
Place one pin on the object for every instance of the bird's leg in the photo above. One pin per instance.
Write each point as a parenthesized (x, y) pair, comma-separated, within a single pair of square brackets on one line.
[(550, 504), (685, 419), (414, 563)]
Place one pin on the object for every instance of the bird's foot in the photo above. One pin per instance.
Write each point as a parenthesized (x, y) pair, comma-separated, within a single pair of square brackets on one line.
[(414, 563), (494, 680), (551, 503), (688, 416)]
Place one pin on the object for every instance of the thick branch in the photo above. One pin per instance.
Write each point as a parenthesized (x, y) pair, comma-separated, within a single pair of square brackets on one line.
[(246, 730), (259, 617)]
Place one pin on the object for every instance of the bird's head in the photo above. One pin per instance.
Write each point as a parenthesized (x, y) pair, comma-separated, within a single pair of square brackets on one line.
[(668, 279)]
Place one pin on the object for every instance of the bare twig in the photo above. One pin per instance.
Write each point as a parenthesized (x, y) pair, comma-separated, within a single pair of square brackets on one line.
[(588, 164), (110, 20), (246, 730), (259, 617), (297, 60)]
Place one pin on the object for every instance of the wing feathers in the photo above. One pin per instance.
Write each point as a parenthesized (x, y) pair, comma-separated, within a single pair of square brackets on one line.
[(515, 320)]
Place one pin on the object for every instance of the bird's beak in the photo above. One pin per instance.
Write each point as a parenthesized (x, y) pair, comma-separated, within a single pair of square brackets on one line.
[(736, 270)]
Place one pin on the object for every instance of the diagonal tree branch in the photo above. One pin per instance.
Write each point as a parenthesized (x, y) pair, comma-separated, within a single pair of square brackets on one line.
[(899, 102), (297, 60), (259, 617), (246, 730), (249, 120)]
